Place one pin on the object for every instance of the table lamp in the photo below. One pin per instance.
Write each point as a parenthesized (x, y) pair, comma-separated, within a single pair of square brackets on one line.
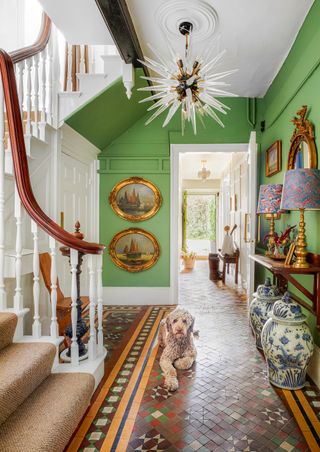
[(269, 203), (301, 192)]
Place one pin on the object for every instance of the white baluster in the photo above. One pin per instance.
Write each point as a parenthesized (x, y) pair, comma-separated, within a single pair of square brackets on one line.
[(55, 81), (82, 67), (92, 308), (69, 68), (3, 296), (53, 294), (19, 75), (92, 63), (18, 297), (50, 81), (43, 85), (36, 326), (36, 94), (74, 344), (100, 305), (28, 97)]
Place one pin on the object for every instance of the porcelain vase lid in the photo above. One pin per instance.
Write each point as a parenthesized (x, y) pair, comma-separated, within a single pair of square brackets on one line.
[(267, 290), (288, 310)]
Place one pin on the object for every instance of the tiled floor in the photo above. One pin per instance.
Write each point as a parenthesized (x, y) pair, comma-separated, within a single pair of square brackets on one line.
[(224, 403)]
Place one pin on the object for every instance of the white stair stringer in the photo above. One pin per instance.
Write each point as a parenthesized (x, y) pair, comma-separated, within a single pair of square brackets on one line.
[(90, 86), (95, 368)]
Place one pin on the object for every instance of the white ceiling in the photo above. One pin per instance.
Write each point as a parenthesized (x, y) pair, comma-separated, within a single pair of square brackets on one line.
[(216, 162), (257, 34), (80, 21)]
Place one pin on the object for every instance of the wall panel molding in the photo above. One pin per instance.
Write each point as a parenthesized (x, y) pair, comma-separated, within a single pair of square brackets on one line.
[(141, 165)]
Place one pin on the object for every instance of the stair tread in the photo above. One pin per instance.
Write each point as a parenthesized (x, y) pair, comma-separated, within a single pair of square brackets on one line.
[(8, 323), (23, 367), (46, 421)]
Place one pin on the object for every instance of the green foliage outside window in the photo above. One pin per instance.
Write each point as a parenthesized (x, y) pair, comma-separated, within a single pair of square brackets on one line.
[(200, 217)]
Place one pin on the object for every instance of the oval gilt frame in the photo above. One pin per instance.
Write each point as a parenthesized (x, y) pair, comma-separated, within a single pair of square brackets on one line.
[(130, 217), (139, 267)]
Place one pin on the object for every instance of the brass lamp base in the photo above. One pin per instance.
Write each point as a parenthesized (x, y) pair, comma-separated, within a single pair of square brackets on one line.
[(301, 245), (271, 237)]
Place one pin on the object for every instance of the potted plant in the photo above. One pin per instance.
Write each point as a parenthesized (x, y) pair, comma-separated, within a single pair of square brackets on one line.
[(189, 258)]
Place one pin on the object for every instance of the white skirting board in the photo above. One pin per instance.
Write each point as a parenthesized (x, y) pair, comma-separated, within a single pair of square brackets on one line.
[(137, 296), (314, 367)]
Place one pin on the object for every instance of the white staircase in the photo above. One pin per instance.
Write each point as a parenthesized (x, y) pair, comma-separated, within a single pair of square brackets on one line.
[(92, 83), (33, 414), (24, 235)]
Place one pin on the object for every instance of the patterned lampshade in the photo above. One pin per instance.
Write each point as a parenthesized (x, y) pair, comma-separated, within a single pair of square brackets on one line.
[(301, 189), (269, 198)]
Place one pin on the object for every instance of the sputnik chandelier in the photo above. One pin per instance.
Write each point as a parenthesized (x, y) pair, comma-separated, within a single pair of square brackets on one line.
[(188, 82)]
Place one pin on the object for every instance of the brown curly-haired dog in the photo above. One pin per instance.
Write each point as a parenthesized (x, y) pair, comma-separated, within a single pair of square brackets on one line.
[(176, 336)]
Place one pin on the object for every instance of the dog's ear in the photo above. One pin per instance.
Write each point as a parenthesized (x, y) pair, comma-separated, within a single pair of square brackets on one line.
[(168, 323), (190, 330)]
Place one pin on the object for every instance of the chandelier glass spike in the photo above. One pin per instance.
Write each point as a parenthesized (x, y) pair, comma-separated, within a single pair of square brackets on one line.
[(191, 83)]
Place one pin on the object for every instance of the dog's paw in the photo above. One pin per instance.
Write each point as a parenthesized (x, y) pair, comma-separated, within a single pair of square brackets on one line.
[(171, 384), (183, 363)]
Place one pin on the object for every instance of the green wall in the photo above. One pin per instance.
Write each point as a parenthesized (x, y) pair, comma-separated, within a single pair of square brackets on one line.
[(107, 115), (145, 151), (296, 84)]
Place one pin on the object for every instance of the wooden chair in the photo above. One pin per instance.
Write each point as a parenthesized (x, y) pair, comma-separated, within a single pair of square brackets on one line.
[(228, 259), (63, 303)]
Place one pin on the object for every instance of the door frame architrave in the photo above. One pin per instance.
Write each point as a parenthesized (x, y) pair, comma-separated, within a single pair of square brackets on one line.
[(176, 150)]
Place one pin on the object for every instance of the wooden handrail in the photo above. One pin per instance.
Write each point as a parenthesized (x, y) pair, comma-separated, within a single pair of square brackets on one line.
[(20, 164), (38, 45)]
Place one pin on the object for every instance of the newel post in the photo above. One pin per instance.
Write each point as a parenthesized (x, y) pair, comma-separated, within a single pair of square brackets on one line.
[(78, 328)]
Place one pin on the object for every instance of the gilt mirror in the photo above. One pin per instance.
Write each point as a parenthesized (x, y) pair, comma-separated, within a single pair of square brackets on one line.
[(303, 151)]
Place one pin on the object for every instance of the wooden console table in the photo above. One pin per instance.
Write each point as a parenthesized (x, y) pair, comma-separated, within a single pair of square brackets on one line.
[(284, 275)]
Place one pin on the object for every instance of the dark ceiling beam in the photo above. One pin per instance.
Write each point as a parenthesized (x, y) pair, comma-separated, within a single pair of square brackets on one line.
[(118, 21)]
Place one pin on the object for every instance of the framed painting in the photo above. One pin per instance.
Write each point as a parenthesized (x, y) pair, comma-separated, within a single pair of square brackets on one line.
[(134, 250), (135, 199), (273, 159)]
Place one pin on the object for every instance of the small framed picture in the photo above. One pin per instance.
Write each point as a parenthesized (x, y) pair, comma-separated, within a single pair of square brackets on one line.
[(289, 256), (273, 159)]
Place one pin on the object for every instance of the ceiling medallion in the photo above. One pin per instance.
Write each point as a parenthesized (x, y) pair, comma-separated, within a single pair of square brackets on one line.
[(188, 82), (171, 13), (204, 174)]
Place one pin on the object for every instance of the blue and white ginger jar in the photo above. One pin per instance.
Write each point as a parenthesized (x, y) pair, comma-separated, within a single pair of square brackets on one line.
[(287, 344), (261, 306)]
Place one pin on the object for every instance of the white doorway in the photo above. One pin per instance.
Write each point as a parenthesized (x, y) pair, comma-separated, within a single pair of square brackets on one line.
[(247, 193)]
